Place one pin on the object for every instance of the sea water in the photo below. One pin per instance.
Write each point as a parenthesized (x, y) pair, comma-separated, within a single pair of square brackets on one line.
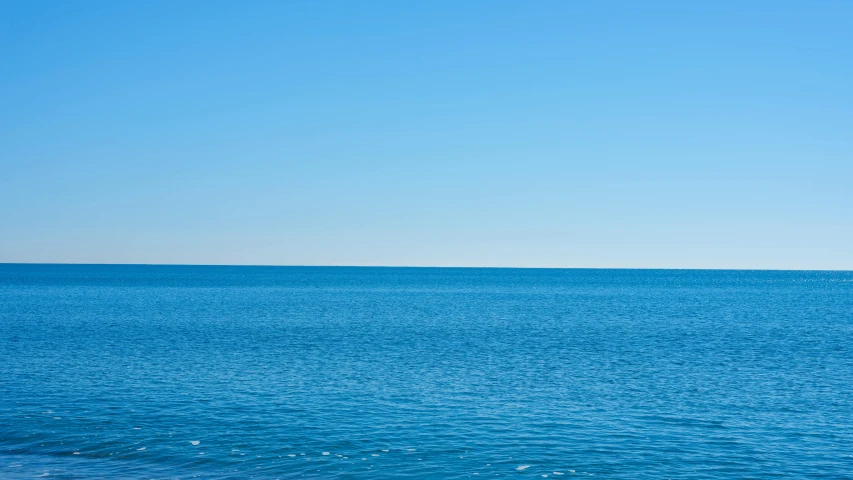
[(304, 372)]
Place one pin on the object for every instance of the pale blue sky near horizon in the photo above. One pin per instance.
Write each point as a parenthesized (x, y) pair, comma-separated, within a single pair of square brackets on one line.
[(658, 134)]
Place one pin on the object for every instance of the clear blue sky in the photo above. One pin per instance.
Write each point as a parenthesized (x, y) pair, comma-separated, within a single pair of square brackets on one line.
[(573, 134)]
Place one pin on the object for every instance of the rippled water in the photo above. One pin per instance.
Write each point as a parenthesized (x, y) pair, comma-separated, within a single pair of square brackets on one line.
[(240, 372)]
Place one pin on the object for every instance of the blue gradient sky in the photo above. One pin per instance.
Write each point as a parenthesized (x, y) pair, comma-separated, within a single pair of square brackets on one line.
[(572, 134)]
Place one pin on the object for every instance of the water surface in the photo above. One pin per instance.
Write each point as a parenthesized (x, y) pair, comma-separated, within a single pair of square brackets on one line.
[(298, 372)]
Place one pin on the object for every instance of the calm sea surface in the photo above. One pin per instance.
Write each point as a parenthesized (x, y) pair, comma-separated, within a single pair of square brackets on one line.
[(266, 372)]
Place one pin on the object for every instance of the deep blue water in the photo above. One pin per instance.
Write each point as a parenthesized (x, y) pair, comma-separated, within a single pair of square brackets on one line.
[(113, 371)]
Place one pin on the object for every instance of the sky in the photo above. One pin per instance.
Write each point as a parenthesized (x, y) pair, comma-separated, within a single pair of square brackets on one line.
[(654, 134)]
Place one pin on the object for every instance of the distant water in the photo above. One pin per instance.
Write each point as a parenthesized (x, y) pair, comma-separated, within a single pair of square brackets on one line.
[(242, 372)]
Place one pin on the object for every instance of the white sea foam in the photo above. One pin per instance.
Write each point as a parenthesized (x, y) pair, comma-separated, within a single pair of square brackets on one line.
[(522, 467), (195, 442)]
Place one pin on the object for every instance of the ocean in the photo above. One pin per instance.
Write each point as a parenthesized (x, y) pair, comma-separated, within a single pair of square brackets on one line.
[(379, 373)]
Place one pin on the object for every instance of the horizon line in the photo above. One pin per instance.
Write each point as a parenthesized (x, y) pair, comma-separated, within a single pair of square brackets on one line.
[(493, 267)]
